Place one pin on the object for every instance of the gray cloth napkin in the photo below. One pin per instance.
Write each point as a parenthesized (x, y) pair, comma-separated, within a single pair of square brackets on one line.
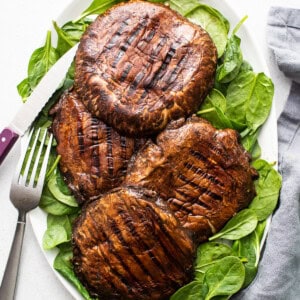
[(283, 32), (278, 276)]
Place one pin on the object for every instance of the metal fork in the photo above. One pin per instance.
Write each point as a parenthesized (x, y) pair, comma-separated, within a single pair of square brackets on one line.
[(25, 193)]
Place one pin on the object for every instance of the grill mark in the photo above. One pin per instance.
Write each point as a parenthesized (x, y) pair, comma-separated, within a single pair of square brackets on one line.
[(203, 204), (136, 82), (143, 96), (172, 80), (128, 42), (177, 260), (115, 229), (150, 35), (200, 157), (125, 72), (143, 244), (123, 145), (200, 188), (192, 200), (109, 154), (203, 174), (95, 147), (145, 41), (108, 280), (80, 135), (164, 66), (115, 254), (215, 151), (159, 47), (116, 35)]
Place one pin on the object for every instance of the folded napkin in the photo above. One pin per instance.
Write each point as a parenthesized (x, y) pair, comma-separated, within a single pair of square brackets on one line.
[(278, 275)]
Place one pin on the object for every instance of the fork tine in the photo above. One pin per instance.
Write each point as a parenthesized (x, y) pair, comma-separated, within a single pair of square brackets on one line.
[(22, 178), (37, 159), (21, 160), (42, 175)]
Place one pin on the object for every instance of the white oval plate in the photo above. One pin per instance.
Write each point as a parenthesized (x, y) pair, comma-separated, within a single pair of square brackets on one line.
[(267, 138)]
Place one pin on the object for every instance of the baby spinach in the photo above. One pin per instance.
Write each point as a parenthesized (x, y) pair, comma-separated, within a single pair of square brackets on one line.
[(240, 225), (194, 290), (53, 187), (250, 140), (69, 34), (232, 62), (267, 189), (98, 7), (41, 60), (207, 17), (249, 247), (24, 89), (249, 99), (233, 57), (184, 7), (211, 21), (58, 231), (63, 265), (225, 277), (52, 206), (213, 109), (207, 255)]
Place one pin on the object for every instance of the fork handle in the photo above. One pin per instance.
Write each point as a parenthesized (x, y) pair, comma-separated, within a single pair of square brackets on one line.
[(7, 139), (8, 285)]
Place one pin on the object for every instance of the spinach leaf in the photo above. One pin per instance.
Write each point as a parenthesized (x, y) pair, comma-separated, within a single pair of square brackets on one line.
[(59, 195), (239, 92), (98, 7), (210, 20), (260, 229), (256, 151), (194, 290), (233, 57), (242, 224), (249, 140), (52, 206), (42, 59), (58, 231), (249, 99), (260, 102), (245, 66), (249, 248), (214, 99), (225, 277), (54, 236), (69, 34), (213, 109), (184, 7), (61, 184), (207, 17), (267, 188), (63, 265), (207, 255), (232, 62), (24, 89)]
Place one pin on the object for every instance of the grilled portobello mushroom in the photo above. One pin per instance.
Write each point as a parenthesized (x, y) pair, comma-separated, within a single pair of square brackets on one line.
[(141, 64), (204, 174), (94, 156), (129, 245)]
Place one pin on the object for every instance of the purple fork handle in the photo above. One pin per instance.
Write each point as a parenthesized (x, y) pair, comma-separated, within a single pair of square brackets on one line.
[(7, 140)]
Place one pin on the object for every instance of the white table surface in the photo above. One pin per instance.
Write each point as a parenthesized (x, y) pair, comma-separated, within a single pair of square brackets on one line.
[(23, 26)]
